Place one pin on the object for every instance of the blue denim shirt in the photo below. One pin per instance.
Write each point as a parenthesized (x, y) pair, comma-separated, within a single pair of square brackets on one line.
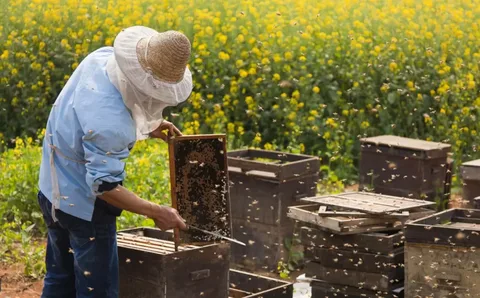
[(92, 132)]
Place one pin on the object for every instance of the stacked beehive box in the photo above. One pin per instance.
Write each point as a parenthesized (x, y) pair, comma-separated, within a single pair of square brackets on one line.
[(150, 266), (470, 174), (353, 242), (442, 258), (262, 186), (406, 167)]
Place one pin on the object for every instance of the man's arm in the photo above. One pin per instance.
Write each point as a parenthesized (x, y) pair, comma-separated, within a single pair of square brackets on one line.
[(164, 217)]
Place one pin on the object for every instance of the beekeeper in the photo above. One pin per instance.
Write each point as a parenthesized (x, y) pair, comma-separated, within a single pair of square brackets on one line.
[(114, 98)]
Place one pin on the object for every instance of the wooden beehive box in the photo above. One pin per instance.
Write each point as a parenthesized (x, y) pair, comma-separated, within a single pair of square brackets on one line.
[(356, 265), (248, 285), (405, 167), (151, 268), (470, 174), (262, 186), (265, 183), (442, 258)]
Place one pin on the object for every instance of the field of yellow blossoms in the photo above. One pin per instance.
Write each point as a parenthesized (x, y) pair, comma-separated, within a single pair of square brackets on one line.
[(301, 75)]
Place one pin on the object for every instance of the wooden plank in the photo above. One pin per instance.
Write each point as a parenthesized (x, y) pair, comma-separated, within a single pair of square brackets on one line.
[(199, 185), (360, 261), (379, 242), (299, 168), (369, 202), (371, 281), (342, 224), (334, 213)]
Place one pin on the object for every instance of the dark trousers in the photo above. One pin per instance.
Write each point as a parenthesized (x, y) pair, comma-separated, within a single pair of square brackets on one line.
[(82, 258)]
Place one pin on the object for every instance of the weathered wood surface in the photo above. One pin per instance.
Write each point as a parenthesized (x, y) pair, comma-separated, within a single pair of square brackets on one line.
[(352, 260), (264, 245), (440, 228), (322, 289), (430, 149), (344, 225), (441, 271), (471, 194), (284, 166), (249, 285), (379, 242), (470, 170), (370, 281), (159, 271), (369, 202), (199, 183), (202, 272), (266, 201)]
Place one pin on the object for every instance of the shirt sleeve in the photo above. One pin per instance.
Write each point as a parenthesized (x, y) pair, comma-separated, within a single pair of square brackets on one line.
[(105, 151)]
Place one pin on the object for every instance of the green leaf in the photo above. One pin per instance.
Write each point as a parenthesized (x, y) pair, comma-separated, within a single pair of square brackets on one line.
[(29, 228), (392, 97)]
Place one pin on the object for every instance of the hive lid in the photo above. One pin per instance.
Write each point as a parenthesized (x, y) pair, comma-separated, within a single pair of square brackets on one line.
[(372, 203), (199, 185), (472, 163), (406, 143)]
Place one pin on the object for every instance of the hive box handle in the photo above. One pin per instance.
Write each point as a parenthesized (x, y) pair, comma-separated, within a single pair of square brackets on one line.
[(200, 274), (449, 276)]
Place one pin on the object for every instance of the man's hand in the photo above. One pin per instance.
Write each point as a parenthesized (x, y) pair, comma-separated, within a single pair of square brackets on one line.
[(166, 125), (167, 218)]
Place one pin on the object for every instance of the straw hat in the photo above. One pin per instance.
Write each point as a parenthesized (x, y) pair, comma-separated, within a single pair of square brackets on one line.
[(165, 54), (155, 63)]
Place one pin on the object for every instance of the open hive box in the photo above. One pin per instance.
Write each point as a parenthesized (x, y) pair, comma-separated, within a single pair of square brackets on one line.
[(442, 258), (150, 266)]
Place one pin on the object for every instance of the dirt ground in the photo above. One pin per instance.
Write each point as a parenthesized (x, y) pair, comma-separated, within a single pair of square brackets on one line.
[(13, 284)]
